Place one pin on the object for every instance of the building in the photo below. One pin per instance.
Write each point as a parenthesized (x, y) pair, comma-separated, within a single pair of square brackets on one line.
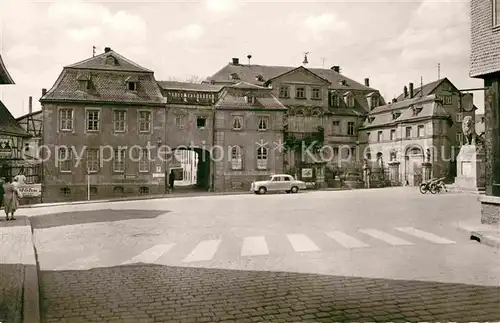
[(322, 105), (485, 64), (103, 120), (113, 130), (419, 122)]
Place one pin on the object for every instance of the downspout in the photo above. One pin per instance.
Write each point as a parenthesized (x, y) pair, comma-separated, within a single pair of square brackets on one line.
[(212, 161)]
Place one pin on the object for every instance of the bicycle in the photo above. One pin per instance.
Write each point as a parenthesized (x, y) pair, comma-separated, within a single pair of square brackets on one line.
[(438, 186)]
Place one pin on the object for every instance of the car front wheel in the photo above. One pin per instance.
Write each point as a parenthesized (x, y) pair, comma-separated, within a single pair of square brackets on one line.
[(262, 190), (294, 189)]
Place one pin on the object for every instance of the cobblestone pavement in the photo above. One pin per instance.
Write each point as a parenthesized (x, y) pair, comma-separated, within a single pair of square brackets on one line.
[(318, 256), (151, 293)]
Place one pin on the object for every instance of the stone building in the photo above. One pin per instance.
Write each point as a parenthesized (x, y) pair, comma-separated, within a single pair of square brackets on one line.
[(321, 104), (485, 64), (102, 120), (420, 124), (112, 130)]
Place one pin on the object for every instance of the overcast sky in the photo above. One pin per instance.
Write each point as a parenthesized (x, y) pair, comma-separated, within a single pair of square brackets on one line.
[(391, 42)]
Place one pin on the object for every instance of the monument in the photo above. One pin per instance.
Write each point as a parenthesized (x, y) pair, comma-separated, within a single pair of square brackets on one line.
[(471, 161)]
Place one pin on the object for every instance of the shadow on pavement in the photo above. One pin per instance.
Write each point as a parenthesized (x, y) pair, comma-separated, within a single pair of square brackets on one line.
[(11, 292), (82, 217), (153, 293)]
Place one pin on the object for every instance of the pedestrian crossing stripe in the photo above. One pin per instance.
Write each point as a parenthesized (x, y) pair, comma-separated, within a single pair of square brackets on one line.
[(206, 250)]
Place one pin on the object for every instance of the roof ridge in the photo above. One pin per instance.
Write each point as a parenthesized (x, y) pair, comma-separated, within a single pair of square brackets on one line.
[(110, 52)]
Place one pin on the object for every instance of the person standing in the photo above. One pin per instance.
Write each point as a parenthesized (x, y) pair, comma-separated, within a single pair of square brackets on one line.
[(171, 180), (10, 199)]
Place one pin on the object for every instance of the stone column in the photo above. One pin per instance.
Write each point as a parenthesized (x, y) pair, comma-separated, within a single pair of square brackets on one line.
[(394, 172), (426, 171)]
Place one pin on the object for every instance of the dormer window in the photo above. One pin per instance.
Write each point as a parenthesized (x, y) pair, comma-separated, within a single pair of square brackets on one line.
[(234, 76), (132, 83), (335, 100), (374, 101), (371, 119), (395, 115), (111, 60), (259, 78), (250, 99), (416, 110), (343, 82), (349, 100), (84, 82)]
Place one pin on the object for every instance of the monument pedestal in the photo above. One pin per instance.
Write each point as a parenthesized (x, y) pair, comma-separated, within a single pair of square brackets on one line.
[(470, 170)]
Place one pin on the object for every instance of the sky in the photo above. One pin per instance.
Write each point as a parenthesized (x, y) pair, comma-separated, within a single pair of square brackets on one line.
[(392, 43)]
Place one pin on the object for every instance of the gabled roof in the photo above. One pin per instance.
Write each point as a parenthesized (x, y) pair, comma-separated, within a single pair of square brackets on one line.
[(426, 89), (295, 70), (232, 98), (98, 62), (249, 73), (5, 77), (9, 125), (428, 107), (186, 86)]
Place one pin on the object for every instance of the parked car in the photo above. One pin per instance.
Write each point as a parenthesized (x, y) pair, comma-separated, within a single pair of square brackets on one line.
[(278, 183)]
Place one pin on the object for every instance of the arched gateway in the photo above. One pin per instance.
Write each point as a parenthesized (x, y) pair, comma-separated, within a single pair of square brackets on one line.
[(414, 157)]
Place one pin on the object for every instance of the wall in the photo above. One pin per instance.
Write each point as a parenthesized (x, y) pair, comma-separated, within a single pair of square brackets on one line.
[(105, 179), (485, 40)]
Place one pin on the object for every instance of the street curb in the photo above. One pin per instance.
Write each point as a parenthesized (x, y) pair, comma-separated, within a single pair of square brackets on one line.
[(481, 237), (154, 197), (31, 291)]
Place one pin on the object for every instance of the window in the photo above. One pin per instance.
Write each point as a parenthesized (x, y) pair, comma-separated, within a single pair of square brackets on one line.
[(380, 135), (336, 127), (286, 178), (66, 191), (119, 118), (65, 159), (237, 123), (93, 190), (132, 86), (349, 101), (119, 161), (284, 91), (353, 152), (496, 13), (201, 122), (179, 121), (420, 131), (300, 93), (144, 121), (143, 190), (236, 158), (408, 132), (335, 100), (368, 136), (460, 117), (447, 99), (66, 119), (118, 190), (336, 152), (316, 94), (350, 128), (374, 102), (460, 138), (263, 123), (92, 160), (261, 158), (393, 134), (250, 99), (144, 161), (93, 120)]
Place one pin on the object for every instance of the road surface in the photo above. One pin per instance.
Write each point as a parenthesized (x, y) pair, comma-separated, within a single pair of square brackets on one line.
[(368, 255)]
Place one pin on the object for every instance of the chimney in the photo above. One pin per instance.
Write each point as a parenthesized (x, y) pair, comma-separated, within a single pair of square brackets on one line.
[(107, 49), (367, 82), (411, 90), (44, 91), (335, 68), (405, 91), (30, 104), (236, 61)]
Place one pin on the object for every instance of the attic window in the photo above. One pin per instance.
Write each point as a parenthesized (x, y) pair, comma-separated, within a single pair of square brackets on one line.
[(396, 115), (349, 100), (259, 78), (234, 76), (84, 81), (371, 119), (132, 83), (343, 82), (416, 110), (374, 101), (250, 99), (111, 60)]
